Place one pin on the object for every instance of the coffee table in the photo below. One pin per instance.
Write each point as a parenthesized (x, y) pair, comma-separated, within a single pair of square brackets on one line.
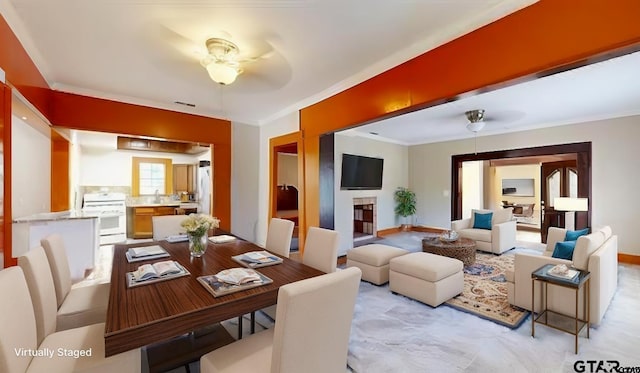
[(463, 249)]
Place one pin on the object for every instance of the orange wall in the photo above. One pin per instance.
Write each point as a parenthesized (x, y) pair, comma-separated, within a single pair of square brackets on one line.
[(545, 35), (59, 172), (21, 71), (88, 113)]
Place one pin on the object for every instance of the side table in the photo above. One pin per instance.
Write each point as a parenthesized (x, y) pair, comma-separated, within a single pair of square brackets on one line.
[(569, 324)]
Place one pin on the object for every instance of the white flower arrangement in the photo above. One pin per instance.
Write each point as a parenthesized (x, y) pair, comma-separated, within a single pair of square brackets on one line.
[(199, 224)]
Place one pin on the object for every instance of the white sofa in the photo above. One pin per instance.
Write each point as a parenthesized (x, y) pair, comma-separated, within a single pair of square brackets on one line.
[(500, 238), (596, 252)]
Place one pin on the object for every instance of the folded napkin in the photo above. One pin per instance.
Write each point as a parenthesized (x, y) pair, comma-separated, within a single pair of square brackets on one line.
[(221, 239)]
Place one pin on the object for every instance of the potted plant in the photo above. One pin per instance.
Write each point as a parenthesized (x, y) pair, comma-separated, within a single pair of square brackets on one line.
[(405, 205)]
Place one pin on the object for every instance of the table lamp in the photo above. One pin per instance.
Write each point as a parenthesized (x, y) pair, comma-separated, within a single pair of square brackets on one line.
[(571, 204)]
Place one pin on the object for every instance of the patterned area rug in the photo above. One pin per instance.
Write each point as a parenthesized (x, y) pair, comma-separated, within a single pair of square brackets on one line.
[(485, 291)]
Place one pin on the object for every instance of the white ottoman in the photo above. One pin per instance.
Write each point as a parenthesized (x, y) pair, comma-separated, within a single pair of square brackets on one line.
[(373, 261), (429, 278)]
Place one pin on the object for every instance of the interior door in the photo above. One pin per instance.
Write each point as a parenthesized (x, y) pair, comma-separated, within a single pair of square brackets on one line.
[(558, 179)]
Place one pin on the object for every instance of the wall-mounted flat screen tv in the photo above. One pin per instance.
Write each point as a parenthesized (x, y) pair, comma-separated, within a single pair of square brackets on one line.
[(518, 187), (361, 173)]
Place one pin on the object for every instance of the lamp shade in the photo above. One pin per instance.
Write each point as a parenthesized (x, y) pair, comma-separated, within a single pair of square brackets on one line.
[(571, 204), (222, 73)]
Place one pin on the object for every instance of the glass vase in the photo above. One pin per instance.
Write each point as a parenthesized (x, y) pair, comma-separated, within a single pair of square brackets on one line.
[(197, 245)]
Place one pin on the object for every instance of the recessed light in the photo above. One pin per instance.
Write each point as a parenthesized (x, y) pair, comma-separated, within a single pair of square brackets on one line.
[(24, 118), (374, 133)]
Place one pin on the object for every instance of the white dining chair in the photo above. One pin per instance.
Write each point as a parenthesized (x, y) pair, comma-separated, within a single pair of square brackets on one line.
[(321, 249), (278, 242), (279, 236), (311, 333), (29, 322), (78, 306), (167, 225)]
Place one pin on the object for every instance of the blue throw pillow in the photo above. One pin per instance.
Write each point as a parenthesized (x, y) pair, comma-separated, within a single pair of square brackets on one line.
[(482, 221), (564, 250), (573, 235)]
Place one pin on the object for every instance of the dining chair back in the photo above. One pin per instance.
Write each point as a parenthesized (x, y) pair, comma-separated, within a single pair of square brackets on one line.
[(167, 225), (19, 330), (36, 270), (59, 264), (321, 249), (311, 333), (77, 306), (17, 320), (279, 236)]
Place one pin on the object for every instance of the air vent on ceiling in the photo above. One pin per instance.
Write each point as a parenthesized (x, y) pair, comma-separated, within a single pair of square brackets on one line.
[(185, 103)]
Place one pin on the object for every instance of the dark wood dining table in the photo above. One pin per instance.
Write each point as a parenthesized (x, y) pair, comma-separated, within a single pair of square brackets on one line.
[(159, 311)]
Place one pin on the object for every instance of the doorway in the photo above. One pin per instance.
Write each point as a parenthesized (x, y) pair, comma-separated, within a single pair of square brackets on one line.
[(286, 183), (581, 152)]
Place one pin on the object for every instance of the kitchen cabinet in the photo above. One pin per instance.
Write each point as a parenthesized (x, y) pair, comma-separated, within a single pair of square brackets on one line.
[(184, 178), (142, 215)]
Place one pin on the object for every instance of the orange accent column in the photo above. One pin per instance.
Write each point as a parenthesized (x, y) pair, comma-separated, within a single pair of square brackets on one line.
[(60, 179), (21, 71), (222, 184), (5, 219)]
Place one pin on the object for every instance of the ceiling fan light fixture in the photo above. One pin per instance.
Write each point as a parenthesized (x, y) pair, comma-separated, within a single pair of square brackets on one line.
[(476, 120), (221, 63), (222, 73)]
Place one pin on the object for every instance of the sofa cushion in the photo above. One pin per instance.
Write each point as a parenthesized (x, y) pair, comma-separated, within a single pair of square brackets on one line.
[(564, 250), (476, 234), (502, 216), (482, 221), (606, 230), (573, 235), (585, 246)]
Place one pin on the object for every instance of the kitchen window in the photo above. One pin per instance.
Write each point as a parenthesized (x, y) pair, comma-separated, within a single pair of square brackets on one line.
[(151, 175)]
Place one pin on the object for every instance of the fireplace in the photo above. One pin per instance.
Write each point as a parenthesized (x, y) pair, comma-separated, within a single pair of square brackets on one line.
[(364, 218)]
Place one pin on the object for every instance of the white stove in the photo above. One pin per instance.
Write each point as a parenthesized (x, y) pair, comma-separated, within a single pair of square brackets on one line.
[(111, 208)]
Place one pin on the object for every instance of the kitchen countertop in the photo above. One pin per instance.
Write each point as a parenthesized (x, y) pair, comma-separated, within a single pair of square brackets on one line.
[(53, 216), (188, 205)]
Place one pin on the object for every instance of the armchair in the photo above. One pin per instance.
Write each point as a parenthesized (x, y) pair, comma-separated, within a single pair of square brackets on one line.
[(500, 238)]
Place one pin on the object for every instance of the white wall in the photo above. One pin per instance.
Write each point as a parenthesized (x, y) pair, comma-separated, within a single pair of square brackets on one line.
[(112, 167), (245, 183), (528, 171), (31, 169), (394, 175), (288, 169), (473, 187), (615, 180), (282, 126)]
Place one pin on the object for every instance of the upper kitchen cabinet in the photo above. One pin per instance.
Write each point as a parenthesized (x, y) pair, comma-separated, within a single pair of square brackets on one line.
[(143, 144), (184, 176)]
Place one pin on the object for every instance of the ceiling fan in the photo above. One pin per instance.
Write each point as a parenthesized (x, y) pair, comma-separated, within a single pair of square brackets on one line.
[(222, 62), (476, 120)]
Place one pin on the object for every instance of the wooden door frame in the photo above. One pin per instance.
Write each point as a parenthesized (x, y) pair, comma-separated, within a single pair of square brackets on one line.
[(581, 149), (274, 144)]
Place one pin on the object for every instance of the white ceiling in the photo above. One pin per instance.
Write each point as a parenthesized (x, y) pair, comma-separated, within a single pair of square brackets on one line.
[(147, 51), (604, 90)]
